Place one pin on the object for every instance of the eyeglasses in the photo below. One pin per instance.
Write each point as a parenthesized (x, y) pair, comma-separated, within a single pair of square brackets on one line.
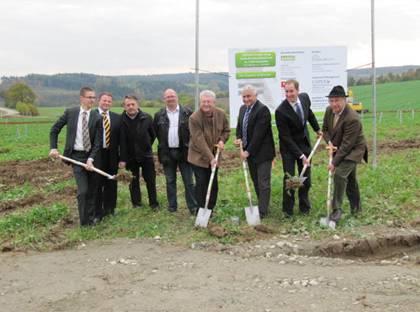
[(90, 97)]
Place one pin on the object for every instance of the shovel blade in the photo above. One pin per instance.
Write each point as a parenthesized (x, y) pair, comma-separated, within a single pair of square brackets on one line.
[(327, 222), (252, 215), (203, 217)]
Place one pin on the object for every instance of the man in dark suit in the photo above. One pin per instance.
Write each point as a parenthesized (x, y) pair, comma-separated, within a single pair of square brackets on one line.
[(255, 133), (136, 140), (342, 128), (292, 117), (171, 127), (83, 141), (106, 200)]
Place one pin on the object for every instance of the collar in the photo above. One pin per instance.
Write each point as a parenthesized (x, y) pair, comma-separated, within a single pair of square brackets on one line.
[(83, 110), (102, 111), (175, 111), (339, 114), (294, 104)]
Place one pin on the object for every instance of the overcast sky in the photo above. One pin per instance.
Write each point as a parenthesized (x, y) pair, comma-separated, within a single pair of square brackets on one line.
[(138, 37)]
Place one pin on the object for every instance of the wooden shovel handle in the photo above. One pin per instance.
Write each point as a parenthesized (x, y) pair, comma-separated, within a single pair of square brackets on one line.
[(111, 177)]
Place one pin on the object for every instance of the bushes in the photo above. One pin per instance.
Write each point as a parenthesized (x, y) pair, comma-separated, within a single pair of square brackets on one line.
[(27, 109)]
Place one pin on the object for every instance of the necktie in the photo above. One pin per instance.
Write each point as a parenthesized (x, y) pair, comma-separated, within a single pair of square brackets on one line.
[(336, 117), (85, 133), (299, 113), (245, 127), (107, 129)]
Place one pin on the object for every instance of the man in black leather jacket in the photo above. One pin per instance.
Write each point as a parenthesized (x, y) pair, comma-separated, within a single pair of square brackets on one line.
[(137, 136)]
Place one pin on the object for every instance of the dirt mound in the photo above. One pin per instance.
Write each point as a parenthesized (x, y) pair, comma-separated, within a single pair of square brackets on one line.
[(375, 247)]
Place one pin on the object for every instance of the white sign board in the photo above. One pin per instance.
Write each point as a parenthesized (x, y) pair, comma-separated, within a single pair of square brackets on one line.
[(317, 69)]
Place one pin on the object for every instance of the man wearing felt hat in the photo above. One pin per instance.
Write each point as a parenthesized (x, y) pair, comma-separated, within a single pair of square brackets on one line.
[(343, 129)]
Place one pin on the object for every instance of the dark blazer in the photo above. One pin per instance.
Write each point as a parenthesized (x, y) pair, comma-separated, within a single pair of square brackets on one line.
[(161, 127), (259, 133), (114, 145), (136, 138), (70, 118), (347, 136), (293, 136)]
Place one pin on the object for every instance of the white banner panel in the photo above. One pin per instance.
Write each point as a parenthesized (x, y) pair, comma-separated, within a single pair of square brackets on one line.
[(317, 69)]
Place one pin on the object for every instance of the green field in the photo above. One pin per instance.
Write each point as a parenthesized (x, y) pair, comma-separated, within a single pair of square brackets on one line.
[(390, 96), (390, 193)]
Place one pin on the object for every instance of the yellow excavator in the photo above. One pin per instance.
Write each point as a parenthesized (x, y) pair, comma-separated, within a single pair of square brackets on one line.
[(355, 104)]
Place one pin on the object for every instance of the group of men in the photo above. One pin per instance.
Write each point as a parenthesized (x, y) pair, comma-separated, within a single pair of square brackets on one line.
[(189, 141)]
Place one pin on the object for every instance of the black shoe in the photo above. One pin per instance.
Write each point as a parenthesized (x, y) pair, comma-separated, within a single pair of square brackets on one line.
[(193, 211), (336, 215), (171, 209), (137, 205), (154, 206)]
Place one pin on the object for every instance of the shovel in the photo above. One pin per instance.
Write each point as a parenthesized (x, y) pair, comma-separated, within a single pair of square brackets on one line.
[(111, 177), (293, 183), (326, 221), (203, 214), (252, 213)]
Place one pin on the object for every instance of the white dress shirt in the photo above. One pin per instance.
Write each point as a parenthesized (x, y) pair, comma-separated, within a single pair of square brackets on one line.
[(173, 138), (78, 143)]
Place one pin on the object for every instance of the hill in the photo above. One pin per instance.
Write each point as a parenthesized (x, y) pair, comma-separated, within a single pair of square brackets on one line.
[(62, 89)]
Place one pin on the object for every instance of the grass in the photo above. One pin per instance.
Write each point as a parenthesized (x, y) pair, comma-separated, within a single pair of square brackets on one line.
[(390, 96), (390, 194)]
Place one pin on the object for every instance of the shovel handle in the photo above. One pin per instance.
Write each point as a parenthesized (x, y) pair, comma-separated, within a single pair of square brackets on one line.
[(310, 156), (213, 172), (111, 177), (245, 167)]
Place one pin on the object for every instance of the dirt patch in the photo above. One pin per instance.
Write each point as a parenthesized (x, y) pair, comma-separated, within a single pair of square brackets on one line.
[(37, 172), (400, 145), (21, 203), (66, 195)]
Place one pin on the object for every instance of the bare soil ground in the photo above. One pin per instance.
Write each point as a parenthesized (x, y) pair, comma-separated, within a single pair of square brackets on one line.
[(277, 272), (138, 275)]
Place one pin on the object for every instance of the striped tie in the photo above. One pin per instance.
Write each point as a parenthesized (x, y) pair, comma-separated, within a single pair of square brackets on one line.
[(107, 129), (245, 127), (85, 132)]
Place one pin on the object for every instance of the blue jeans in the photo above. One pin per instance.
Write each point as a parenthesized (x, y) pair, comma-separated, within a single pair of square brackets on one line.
[(170, 168)]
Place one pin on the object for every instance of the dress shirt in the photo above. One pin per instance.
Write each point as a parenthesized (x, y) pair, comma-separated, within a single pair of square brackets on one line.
[(78, 143), (173, 138)]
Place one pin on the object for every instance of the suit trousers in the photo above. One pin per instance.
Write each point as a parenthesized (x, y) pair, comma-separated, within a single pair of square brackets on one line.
[(86, 189), (202, 179), (289, 162), (170, 167), (149, 175), (261, 178), (345, 181), (106, 199)]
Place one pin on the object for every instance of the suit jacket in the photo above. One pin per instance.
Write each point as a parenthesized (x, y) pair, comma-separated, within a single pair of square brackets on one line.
[(203, 139), (114, 145), (293, 135), (161, 126), (347, 136), (70, 118), (260, 143)]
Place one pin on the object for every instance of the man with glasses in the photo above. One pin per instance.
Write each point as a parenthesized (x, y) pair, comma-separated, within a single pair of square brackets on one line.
[(136, 140), (83, 141)]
